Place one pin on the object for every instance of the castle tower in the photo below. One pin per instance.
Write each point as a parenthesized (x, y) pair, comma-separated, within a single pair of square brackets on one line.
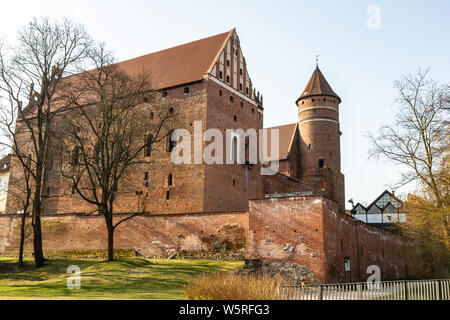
[(320, 150)]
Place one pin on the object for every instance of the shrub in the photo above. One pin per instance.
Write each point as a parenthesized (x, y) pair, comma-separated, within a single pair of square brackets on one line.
[(229, 286)]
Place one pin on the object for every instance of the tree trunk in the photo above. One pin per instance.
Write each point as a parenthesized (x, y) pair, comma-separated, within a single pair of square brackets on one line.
[(37, 210), (110, 242), (37, 242), (22, 239)]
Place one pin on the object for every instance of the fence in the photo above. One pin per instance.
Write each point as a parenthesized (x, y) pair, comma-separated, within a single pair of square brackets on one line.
[(386, 290)]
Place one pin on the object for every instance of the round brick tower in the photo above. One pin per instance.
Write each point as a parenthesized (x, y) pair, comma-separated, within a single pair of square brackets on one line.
[(318, 113)]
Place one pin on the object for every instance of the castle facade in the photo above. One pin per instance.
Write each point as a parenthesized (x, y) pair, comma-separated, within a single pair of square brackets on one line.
[(295, 215)]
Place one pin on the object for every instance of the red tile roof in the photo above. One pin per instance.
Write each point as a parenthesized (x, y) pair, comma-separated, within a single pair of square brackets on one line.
[(318, 86), (286, 137), (178, 65), (171, 67)]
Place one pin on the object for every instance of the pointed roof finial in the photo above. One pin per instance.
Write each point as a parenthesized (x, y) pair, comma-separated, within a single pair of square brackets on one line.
[(318, 86), (317, 61)]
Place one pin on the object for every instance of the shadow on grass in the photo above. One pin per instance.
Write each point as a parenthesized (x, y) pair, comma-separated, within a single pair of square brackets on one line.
[(124, 278)]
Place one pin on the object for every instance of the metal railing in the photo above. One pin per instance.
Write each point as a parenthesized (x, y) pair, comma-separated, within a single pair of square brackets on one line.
[(386, 290)]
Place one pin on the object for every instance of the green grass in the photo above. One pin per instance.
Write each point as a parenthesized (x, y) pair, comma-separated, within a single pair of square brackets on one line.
[(123, 279)]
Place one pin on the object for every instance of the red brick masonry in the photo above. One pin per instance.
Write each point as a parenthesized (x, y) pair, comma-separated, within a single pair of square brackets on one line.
[(306, 230)]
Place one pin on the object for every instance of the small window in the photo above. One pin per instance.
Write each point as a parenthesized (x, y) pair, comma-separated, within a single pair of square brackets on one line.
[(228, 63), (145, 100), (76, 156), (321, 163), (234, 149), (303, 102), (231, 99), (241, 72), (234, 183), (152, 115), (171, 141), (228, 79), (240, 87), (170, 180), (171, 111), (221, 75), (246, 90), (186, 90), (168, 195), (149, 145), (253, 110), (242, 104), (324, 99), (313, 100), (220, 93), (146, 176), (164, 94), (310, 147), (235, 118)]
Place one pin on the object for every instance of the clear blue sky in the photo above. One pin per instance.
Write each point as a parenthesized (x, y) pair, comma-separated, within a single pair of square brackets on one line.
[(280, 40)]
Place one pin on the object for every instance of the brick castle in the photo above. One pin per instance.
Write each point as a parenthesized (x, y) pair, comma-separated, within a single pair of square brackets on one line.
[(297, 215)]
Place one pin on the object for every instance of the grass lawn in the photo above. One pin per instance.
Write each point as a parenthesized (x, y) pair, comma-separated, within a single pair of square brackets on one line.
[(125, 278)]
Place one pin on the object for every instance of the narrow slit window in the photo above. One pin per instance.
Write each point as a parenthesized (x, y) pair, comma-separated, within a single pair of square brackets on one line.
[(170, 180), (149, 145), (171, 141), (321, 163), (76, 156)]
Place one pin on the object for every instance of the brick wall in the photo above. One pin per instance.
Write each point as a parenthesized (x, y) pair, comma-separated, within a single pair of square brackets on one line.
[(280, 183), (308, 231), (230, 186), (149, 235)]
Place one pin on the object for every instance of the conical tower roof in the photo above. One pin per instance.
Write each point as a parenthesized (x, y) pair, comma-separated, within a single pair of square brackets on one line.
[(318, 86)]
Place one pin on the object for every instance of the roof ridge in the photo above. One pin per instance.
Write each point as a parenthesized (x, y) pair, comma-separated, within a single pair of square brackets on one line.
[(170, 48)]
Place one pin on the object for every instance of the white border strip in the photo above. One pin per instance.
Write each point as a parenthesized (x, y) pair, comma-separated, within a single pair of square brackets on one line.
[(211, 77), (318, 107), (319, 119)]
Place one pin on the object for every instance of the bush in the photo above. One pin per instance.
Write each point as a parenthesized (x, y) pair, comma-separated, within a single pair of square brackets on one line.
[(229, 286)]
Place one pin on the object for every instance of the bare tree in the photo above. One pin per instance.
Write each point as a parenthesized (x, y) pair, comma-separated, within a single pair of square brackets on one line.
[(109, 133), (419, 138), (32, 72)]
